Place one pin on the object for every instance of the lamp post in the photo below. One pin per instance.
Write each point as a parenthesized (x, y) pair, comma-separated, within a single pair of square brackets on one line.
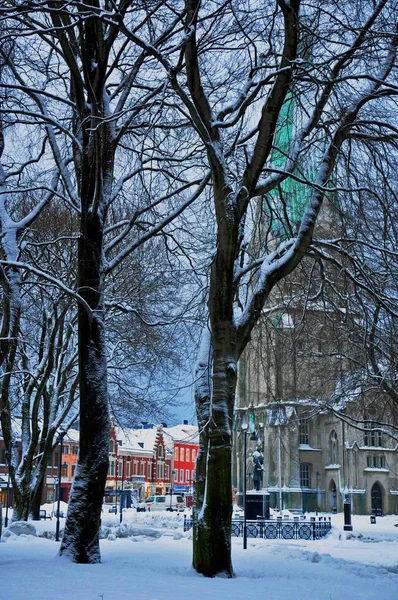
[(244, 430), (121, 494), (117, 442), (9, 482), (171, 489), (7, 498), (60, 441), (54, 492), (253, 436), (116, 470)]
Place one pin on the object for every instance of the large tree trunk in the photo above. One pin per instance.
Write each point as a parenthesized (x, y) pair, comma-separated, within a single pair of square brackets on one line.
[(22, 496), (212, 523), (21, 506), (94, 166), (36, 501), (212, 540), (203, 405), (81, 537)]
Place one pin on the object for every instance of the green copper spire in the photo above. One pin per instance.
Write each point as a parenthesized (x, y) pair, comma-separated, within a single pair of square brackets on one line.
[(288, 201)]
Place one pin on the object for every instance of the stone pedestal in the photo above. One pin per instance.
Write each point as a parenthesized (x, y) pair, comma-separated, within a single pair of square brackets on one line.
[(257, 505)]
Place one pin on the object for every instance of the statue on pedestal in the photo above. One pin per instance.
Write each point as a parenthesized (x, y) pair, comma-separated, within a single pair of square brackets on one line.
[(258, 468)]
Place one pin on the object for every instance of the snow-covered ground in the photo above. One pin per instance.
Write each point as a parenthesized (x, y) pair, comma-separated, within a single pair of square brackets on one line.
[(153, 562)]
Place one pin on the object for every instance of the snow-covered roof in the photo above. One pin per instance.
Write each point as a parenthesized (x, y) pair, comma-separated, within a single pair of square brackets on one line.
[(188, 434), (137, 439), (72, 436), (279, 415)]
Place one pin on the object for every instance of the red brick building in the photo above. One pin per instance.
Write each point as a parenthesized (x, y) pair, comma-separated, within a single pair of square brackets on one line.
[(141, 460)]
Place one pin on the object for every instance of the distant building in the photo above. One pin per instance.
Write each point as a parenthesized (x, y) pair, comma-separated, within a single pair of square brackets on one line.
[(140, 460), (307, 403), (183, 443)]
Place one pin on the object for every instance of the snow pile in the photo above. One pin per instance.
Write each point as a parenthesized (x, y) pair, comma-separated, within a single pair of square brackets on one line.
[(152, 558)]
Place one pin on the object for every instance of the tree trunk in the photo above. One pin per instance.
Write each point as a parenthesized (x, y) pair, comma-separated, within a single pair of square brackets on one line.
[(81, 537), (22, 502), (36, 500), (212, 525), (94, 167)]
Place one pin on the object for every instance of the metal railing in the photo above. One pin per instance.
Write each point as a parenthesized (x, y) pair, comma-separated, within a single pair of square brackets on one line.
[(274, 529)]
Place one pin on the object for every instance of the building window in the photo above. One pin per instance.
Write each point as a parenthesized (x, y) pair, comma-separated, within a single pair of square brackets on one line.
[(73, 470), (160, 451), (135, 468), (182, 475), (111, 446), (142, 471), (372, 437), (65, 449), (75, 450), (166, 472), (187, 476), (149, 472), (120, 468), (305, 475), (175, 453), (375, 462), (187, 455), (182, 454), (64, 471), (160, 471), (111, 470), (193, 455), (304, 432)]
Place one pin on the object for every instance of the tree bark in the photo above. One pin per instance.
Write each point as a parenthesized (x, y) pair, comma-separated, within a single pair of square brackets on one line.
[(96, 162), (36, 501), (81, 537)]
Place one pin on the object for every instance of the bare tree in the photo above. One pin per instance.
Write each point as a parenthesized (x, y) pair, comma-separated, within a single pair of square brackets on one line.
[(85, 99), (233, 77), (241, 72)]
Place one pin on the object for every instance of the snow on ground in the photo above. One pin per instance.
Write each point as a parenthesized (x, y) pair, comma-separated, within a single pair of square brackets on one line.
[(153, 562)]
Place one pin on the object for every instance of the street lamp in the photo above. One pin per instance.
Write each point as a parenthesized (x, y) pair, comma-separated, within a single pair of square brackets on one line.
[(116, 470), (8, 483), (117, 442), (7, 498), (121, 494), (60, 441), (253, 436), (171, 488)]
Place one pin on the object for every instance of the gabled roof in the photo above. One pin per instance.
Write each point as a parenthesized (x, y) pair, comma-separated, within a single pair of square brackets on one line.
[(189, 434), (137, 439)]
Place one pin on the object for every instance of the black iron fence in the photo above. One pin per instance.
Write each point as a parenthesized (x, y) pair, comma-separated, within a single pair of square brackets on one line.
[(273, 529)]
